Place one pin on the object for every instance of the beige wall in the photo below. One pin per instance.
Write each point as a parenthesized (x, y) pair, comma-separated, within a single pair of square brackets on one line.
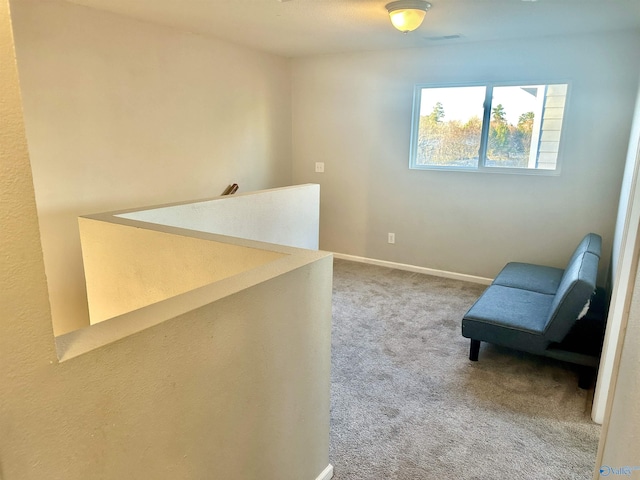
[(127, 267), (237, 389), (284, 216), (121, 114), (353, 112), (620, 438), (168, 402), (619, 373), (623, 256)]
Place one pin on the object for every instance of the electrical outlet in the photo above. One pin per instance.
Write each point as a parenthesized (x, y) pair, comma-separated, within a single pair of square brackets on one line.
[(391, 238), (319, 167)]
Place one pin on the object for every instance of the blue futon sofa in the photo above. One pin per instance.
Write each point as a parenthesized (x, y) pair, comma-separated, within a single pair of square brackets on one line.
[(534, 308)]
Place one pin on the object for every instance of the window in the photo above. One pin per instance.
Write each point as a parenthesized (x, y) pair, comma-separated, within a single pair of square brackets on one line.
[(488, 127)]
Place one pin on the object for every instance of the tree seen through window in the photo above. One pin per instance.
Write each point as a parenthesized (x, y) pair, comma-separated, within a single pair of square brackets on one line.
[(450, 129)]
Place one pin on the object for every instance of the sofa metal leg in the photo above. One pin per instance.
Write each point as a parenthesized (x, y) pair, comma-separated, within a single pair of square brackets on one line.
[(586, 376), (475, 350)]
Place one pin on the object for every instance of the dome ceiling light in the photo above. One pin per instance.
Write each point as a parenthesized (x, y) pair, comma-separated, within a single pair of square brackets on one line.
[(407, 15)]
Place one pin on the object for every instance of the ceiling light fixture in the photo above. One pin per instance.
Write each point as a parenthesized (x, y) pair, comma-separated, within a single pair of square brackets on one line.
[(407, 15)]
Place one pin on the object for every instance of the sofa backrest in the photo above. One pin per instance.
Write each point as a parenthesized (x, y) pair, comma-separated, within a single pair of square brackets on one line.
[(591, 243), (577, 285)]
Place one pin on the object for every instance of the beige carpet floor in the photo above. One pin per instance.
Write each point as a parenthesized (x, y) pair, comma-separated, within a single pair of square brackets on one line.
[(407, 404)]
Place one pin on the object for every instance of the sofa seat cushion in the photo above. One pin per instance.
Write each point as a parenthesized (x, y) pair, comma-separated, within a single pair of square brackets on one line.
[(527, 276), (509, 316), (512, 308)]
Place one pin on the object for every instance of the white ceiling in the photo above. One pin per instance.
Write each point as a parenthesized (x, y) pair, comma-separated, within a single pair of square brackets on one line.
[(296, 28)]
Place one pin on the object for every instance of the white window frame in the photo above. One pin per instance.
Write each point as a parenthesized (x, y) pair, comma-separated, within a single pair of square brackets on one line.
[(415, 122)]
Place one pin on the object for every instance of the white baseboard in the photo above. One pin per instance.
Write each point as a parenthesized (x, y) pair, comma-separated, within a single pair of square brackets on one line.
[(326, 474), (414, 268)]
